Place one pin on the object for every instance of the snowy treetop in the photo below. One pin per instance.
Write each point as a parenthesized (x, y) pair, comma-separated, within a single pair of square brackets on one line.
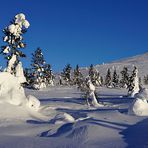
[(19, 22)]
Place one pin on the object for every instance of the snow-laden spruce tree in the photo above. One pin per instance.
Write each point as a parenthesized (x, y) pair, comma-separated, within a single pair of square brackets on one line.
[(48, 74), (124, 78), (94, 76), (66, 74), (42, 75), (108, 79), (14, 41), (115, 79), (77, 76), (133, 85), (38, 63), (89, 92)]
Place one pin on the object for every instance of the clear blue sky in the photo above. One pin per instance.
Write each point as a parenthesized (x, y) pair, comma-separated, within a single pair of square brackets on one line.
[(81, 32)]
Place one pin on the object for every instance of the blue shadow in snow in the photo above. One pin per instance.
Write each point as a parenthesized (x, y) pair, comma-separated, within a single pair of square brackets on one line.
[(107, 124), (83, 113), (60, 131), (136, 136), (36, 122), (64, 100)]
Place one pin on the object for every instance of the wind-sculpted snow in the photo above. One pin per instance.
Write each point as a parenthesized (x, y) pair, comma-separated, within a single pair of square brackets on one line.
[(10, 90), (139, 106)]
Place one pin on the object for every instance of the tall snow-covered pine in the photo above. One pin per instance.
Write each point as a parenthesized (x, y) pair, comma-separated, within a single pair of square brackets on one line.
[(14, 41)]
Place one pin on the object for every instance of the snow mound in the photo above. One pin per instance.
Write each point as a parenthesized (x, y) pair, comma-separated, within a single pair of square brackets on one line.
[(139, 106), (143, 94), (10, 90), (33, 102), (63, 118), (12, 96), (13, 93)]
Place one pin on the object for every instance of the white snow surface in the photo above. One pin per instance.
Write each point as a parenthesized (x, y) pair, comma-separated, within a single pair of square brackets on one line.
[(12, 93), (64, 120), (139, 106), (20, 73), (58, 117), (11, 63)]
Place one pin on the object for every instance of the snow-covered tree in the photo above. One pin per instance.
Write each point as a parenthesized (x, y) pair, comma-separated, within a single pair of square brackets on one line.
[(77, 75), (14, 41), (38, 63), (48, 74), (124, 77), (60, 82), (108, 79), (89, 92), (66, 74), (94, 76), (20, 73), (133, 85), (115, 79)]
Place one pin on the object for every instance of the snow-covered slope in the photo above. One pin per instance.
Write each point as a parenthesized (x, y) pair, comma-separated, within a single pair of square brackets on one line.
[(141, 61)]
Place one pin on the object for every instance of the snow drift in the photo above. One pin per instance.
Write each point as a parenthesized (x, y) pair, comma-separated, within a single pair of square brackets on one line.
[(11, 90), (139, 106), (13, 98)]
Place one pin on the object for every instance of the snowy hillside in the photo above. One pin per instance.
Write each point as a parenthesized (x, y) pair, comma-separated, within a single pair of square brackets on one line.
[(141, 61)]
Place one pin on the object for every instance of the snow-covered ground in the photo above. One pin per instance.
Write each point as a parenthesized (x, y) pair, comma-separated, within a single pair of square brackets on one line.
[(61, 118), (105, 127)]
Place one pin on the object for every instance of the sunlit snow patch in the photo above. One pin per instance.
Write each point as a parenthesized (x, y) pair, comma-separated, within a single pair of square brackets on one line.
[(139, 106)]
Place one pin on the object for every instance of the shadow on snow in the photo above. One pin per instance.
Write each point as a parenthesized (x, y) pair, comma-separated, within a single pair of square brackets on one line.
[(136, 136)]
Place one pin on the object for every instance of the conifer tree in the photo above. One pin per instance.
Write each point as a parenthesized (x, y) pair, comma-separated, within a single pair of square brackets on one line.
[(38, 64), (91, 72), (124, 77), (108, 79), (133, 85), (66, 74), (115, 79), (14, 41), (99, 79), (94, 76), (77, 75), (48, 74)]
